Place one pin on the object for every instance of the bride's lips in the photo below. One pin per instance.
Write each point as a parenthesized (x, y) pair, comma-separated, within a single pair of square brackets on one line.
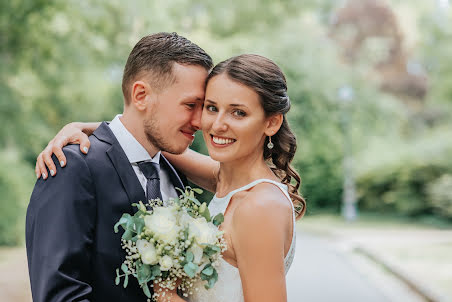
[(220, 141)]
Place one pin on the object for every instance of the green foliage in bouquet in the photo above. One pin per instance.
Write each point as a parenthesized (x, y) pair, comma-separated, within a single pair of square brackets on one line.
[(169, 241)]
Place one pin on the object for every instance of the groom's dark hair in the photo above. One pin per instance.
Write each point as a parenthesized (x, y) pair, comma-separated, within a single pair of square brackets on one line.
[(155, 54)]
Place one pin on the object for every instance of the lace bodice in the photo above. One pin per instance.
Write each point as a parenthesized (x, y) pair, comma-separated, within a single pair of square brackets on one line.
[(229, 285)]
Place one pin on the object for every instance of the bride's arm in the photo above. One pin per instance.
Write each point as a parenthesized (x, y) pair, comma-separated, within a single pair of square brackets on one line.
[(259, 232), (72, 133), (200, 169)]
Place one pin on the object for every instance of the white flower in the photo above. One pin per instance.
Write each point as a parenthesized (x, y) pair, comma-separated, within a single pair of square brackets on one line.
[(202, 231), (163, 223), (147, 252), (185, 219), (166, 263)]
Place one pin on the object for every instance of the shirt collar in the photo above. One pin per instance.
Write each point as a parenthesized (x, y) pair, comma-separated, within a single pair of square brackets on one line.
[(134, 151)]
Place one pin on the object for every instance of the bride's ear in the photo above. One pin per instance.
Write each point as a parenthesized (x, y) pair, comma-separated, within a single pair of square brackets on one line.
[(274, 122)]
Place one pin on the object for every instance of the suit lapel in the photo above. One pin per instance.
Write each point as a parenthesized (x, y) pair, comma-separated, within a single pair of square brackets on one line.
[(122, 165), (175, 179)]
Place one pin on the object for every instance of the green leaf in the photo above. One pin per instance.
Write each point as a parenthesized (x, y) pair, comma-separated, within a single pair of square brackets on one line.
[(181, 191), (217, 220), (212, 279), (208, 270), (146, 290), (190, 269), (128, 235), (197, 190), (206, 215), (122, 222), (194, 200), (155, 271), (117, 280), (126, 281), (189, 256), (124, 268), (211, 250), (144, 273)]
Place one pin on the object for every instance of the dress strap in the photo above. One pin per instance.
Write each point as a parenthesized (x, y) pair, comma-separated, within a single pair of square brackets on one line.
[(283, 187)]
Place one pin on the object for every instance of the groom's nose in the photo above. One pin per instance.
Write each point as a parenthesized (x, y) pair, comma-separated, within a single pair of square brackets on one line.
[(196, 118)]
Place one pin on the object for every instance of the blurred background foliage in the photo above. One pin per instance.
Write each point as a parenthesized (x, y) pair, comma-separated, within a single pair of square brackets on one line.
[(62, 61)]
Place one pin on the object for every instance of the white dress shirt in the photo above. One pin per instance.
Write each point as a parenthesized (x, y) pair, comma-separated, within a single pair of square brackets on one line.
[(135, 152)]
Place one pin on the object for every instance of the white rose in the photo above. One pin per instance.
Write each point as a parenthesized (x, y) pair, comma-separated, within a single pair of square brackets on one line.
[(166, 263), (185, 219), (163, 223), (147, 252), (202, 231)]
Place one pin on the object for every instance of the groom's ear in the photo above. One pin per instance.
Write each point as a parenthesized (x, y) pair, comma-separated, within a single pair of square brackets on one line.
[(141, 94), (274, 122)]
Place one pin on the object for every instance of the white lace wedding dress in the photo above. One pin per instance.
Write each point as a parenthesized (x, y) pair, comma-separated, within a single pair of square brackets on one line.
[(229, 285)]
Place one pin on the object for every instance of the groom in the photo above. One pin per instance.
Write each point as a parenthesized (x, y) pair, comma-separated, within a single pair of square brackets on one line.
[(72, 249)]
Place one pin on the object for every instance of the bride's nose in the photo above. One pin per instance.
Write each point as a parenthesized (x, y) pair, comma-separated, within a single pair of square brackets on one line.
[(219, 124)]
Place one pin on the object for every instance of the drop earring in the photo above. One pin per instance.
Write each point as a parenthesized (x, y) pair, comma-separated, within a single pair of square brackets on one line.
[(270, 145)]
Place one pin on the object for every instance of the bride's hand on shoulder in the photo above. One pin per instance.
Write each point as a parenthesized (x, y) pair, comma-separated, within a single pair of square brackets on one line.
[(260, 225), (72, 133)]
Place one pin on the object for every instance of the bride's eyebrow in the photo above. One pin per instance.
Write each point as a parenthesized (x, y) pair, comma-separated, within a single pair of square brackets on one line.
[(231, 105)]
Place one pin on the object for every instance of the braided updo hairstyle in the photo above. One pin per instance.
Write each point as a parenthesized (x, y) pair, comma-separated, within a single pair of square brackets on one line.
[(268, 81)]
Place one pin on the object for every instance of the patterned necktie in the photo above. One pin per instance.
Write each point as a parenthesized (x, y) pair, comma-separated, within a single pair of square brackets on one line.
[(151, 172)]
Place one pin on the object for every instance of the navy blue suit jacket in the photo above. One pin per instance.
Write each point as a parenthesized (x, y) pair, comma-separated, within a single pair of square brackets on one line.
[(72, 249)]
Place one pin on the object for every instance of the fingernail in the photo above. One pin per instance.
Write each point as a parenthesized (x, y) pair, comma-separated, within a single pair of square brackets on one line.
[(85, 149), (62, 163), (43, 175), (37, 175), (52, 172)]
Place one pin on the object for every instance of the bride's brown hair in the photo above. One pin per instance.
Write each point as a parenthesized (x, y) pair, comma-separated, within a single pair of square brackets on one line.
[(268, 81)]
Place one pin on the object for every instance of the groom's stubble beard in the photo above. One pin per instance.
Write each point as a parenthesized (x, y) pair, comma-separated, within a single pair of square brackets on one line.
[(155, 136)]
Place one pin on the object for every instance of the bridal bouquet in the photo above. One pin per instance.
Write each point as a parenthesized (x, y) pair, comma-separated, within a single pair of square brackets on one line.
[(176, 241)]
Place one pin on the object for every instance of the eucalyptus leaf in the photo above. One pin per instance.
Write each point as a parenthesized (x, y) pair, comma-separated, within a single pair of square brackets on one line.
[(146, 290), (211, 250), (122, 222), (128, 235), (117, 280), (144, 273), (190, 269), (126, 281), (206, 215), (212, 280), (208, 270), (155, 271), (218, 219), (189, 256), (124, 268)]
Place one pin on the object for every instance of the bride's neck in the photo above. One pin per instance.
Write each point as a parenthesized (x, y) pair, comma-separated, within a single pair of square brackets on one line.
[(236, 174)]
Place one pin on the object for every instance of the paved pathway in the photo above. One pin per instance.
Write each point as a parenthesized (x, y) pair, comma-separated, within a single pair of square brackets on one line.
[(325, 271)]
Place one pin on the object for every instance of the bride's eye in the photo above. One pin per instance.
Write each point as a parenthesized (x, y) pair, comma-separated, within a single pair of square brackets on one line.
[(211, 108), (239, 113)]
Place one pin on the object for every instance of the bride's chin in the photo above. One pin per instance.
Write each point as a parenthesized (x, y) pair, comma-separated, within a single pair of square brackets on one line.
[(222, 158)]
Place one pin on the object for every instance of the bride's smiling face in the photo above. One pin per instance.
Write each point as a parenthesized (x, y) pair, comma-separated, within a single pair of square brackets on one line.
[(233, 120)]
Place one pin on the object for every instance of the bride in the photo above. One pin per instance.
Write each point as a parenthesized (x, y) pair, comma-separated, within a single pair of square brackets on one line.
[(251, 147)]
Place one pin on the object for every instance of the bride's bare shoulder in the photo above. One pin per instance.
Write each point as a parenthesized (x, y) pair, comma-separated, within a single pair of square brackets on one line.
[(264, 203)]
